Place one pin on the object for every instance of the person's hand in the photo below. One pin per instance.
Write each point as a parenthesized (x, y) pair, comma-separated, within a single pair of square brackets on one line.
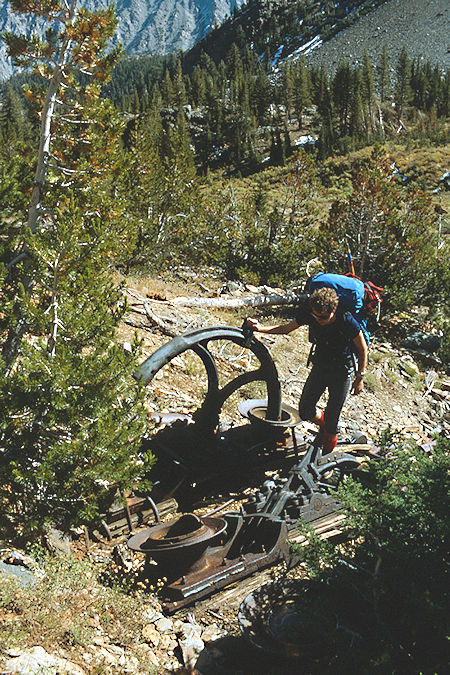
[(252, 323), (357, 386)]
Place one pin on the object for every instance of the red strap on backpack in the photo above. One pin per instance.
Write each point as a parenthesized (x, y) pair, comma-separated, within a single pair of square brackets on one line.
[(372, 297), (372, 294)]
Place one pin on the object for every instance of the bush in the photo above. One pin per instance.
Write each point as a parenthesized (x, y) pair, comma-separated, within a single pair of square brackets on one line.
[(397, 519)]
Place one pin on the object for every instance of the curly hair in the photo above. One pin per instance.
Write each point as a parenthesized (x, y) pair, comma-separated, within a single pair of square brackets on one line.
[(324, 300)]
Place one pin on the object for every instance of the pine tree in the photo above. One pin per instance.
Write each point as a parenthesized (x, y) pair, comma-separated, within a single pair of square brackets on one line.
[(368, 92), (198, 86), (383, 77), (342, 93), (15, 128), (302, 95), (325, 109), (71, 416), (288, 89), (260, 97), (179, 86), (357, 127), (167, 90), (403, 82)]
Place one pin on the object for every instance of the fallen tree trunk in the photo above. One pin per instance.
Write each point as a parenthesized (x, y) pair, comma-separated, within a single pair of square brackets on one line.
[(256, 301)]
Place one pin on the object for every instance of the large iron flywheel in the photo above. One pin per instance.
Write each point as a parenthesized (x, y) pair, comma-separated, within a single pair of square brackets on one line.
[(198, 340)]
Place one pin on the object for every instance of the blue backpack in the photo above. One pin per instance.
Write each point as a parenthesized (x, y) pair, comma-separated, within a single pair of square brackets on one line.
[(351, 293)]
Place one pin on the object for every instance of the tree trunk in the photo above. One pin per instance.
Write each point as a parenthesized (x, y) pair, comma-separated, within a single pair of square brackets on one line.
[(257, 301), (45, 133)]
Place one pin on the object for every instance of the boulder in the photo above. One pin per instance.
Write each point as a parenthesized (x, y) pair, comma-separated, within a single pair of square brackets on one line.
[(37, 660), (151, 635), (190, 649)]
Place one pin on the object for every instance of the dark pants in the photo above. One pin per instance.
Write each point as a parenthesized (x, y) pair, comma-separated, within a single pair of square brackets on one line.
[(337, 378)]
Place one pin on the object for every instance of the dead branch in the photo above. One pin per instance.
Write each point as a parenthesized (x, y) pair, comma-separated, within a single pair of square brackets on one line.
[(156, 321)]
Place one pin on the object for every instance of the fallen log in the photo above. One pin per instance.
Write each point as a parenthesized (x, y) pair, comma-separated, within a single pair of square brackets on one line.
[(257, 301)]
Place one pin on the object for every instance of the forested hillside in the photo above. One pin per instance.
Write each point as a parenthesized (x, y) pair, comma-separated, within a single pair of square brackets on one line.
[(200, 169)]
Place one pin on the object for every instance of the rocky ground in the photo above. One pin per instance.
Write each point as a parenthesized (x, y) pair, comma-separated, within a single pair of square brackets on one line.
[(421, 27), (406, 389), (400, 389)]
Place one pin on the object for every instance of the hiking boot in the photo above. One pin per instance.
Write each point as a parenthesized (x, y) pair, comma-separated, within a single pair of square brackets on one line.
[(329, 441)]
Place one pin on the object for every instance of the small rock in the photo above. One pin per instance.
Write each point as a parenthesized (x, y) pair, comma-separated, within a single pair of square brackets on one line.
[(167, 643), (19, 573), (14, 651), (130, 664), (212, 632), (164, 625), (152, 614), (177, 626), (149, 654), (17, 558), (251, 288), (117, 651), (98, 640), (151, 635), (191, 648), (105, 657), (189, 630), (58, 542)]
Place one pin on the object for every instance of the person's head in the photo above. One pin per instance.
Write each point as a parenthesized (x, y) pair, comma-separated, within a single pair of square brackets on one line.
[(324, 303)]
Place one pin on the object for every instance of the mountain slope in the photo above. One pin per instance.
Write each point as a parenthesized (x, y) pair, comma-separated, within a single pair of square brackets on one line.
[(289, 30), (423, 28), (145, 26)]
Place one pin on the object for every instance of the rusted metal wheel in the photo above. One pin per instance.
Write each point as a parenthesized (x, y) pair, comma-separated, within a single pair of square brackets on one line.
[(198, 341)]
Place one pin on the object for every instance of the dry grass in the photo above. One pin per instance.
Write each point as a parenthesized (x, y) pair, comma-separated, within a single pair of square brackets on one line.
[(69, 608)]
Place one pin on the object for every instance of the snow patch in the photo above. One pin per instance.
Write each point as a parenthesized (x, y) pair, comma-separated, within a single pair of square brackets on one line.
[(308, 47), (305, 140)]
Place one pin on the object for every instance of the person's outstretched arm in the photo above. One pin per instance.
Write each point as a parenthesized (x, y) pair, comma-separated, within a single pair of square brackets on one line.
[(281, 329)]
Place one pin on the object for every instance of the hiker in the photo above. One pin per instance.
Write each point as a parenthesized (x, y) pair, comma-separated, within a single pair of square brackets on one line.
[(336, 337)]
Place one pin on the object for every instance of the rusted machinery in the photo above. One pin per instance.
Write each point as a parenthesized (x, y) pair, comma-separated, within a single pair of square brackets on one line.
[(198, 341), (201, 555)]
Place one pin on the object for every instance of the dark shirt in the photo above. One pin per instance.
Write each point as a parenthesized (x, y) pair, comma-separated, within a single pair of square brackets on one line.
[(334, 342)]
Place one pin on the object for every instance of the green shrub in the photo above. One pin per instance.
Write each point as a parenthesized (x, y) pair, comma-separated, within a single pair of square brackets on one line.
[(395, 561), (371, 383)]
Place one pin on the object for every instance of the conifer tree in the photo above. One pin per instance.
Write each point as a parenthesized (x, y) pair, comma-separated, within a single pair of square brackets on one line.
[(167, 90), (325, 108), (15, 128), (403, 82), (342, 93), (71, 416), (179, 86), (288, 89), (357, 126), (260, 97), (383, 76), (198, 86), (302, 91), (368, 92)]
